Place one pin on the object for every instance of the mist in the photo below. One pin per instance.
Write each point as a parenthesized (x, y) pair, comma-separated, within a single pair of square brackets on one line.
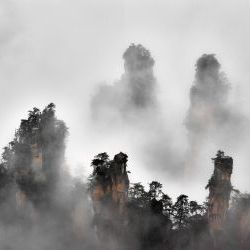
[(64, 57), (165, 82), (213, 120), (131, 104)]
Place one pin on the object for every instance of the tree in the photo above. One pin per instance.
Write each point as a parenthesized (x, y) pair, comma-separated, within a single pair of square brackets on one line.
[(100, 159), (195, 208), (155, 190), (167, 205), (138, 195), (7, 156), (181, 211)]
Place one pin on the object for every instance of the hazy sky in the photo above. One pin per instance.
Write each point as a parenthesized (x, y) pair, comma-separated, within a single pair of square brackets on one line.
[(61, 50)]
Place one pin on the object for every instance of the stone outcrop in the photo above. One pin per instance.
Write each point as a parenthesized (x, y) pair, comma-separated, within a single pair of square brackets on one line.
[(109, 194), (219, 191), (110, 183)]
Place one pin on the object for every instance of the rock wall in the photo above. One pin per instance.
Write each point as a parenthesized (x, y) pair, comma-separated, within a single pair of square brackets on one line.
[(219, 191)]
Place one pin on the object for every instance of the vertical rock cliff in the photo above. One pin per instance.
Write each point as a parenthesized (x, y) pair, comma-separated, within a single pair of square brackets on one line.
[(219, 192), (109, 193)]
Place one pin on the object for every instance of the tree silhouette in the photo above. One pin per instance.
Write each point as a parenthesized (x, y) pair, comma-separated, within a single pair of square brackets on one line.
[(138, 195), (181, 211), (155, 190), (167, 205)]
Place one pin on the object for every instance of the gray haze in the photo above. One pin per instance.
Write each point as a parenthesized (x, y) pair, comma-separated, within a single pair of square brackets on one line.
[(60, 51), (134, 94), (130, 107), (212, 121)]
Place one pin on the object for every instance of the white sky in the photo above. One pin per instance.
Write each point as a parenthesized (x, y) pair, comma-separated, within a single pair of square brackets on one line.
[(60, 50)]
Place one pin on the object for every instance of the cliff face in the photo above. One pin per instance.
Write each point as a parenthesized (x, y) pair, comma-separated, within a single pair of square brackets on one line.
[(37, 157), (29, 175), (244, 228), (109, 193), (219, 191), (120, 181), (110, 184)]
